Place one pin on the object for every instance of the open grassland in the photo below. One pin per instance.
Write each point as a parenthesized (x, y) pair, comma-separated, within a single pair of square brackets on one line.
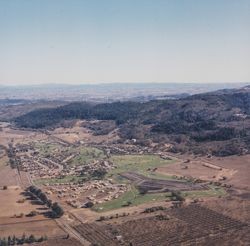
[(131, 198), (134, 198), (143, 164), (214, 191)]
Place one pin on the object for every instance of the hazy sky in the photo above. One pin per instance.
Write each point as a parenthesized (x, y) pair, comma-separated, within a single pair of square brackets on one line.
[(77, 41)]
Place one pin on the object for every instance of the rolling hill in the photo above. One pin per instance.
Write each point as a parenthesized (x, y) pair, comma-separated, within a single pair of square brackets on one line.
[(216, 122)]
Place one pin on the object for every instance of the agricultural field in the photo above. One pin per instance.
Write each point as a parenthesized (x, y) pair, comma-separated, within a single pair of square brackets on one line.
[(61, 242), (188, 225), (15, 219), (13, 202), (199, 169), (43, 227), (8, 176), (241, 167), (96, 234)]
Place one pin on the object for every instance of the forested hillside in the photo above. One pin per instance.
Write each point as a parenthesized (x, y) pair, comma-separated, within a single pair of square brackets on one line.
[(222, 116)]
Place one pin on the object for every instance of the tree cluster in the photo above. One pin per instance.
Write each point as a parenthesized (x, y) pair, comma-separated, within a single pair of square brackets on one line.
[(21, 240), (176, 196), (57, 210)]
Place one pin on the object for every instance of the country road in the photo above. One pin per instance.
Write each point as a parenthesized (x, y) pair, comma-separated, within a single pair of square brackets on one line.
[(72, 232)]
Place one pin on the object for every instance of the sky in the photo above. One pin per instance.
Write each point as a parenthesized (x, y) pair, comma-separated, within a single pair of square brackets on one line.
[(98, 41)]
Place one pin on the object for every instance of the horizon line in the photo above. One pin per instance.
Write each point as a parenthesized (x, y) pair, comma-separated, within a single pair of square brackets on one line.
[(107, 83)]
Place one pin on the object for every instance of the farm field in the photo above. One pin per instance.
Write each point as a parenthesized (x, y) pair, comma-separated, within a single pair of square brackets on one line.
[(188, 225), (237, 207), (240, 165), (61, 242), (197, 169), (10, 205), (8, 176), (14, 220), (43, 227)]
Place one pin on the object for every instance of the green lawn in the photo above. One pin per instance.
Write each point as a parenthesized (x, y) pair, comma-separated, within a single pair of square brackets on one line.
[(140, 164), (213, 191), (134, 197)]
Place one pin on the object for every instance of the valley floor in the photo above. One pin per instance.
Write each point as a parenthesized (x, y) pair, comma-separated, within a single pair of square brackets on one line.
[(120, 194)]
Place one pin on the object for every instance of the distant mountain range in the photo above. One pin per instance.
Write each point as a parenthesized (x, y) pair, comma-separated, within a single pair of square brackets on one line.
[(109, 92)]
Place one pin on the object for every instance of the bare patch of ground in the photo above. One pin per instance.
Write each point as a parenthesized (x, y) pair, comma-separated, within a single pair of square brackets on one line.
[(80, 133), (38, 228), (241, 166), (60, 242), (8, 135), (196, 169), (3, 162), (10, 202), (8, 176)]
